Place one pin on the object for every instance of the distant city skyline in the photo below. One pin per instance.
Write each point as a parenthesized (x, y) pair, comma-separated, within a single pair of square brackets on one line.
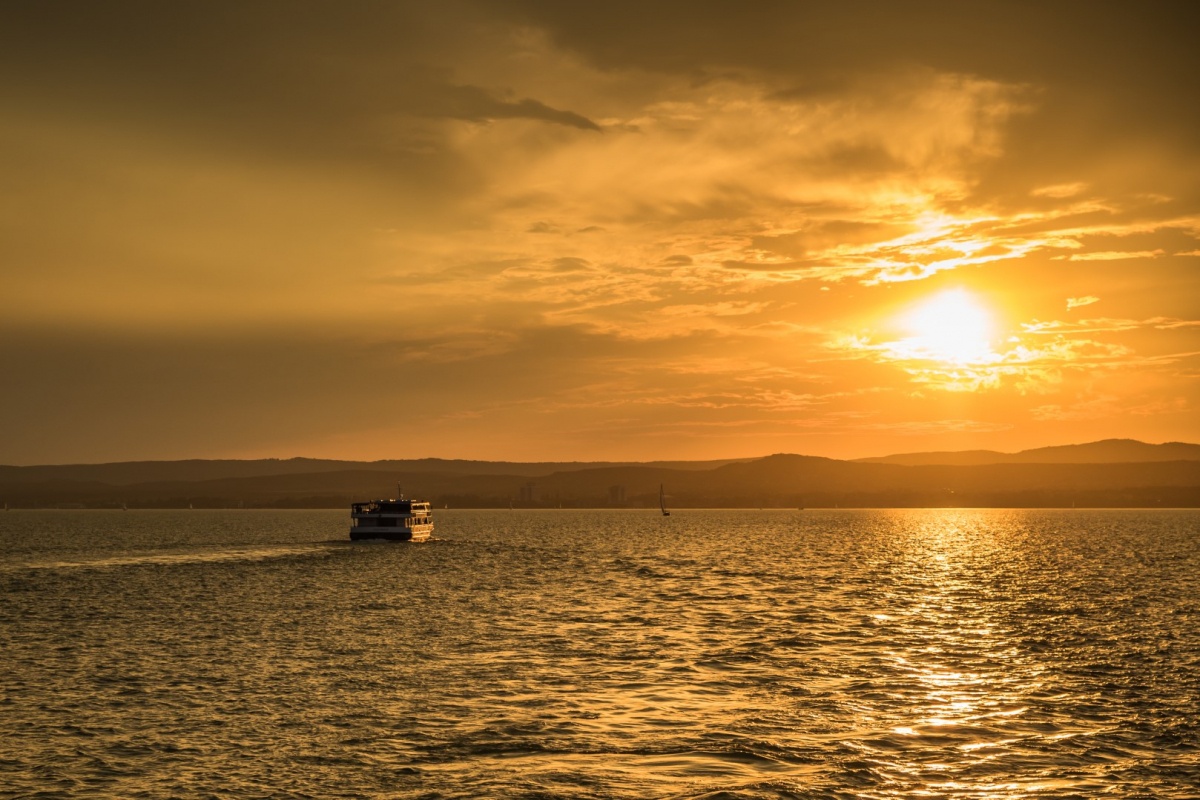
[(535, 231)]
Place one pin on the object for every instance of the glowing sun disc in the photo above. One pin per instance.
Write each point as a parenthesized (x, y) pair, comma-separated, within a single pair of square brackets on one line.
[(951, 327)]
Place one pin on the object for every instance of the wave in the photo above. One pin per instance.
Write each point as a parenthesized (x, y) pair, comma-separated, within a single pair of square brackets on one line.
[(174, 557)]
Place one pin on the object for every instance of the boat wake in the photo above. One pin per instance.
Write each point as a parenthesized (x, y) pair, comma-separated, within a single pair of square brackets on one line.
[(173, 557)]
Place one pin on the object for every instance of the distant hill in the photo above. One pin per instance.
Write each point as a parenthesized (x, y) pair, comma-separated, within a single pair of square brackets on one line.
[(133, 472), (1108, 451), (1114, 473)]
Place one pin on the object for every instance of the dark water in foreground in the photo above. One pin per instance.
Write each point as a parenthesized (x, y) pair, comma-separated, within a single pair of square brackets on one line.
[(728, 654)]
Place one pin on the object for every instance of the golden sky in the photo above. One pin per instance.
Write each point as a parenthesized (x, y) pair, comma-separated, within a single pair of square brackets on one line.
[(564, 231)]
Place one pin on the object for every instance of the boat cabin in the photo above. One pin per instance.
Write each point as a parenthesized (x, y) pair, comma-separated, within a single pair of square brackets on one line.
[(391, 519)]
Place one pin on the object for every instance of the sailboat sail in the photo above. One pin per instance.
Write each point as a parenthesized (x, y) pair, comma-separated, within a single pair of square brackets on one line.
[(662, 501)]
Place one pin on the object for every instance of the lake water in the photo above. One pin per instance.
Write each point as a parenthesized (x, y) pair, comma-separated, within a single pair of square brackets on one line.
[(602, 654)]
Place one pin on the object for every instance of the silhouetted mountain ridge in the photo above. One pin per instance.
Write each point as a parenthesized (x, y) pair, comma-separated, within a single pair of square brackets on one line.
[(133, 472), (1107, 451), (779, 480)]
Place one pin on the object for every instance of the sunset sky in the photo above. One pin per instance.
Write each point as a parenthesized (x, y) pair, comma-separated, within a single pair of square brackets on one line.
[(595, 231)]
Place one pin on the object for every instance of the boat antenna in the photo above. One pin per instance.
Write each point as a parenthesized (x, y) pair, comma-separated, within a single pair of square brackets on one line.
[(399, 492)]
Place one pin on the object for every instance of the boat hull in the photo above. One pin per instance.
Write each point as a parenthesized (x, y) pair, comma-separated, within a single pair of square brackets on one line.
[(417, 533)]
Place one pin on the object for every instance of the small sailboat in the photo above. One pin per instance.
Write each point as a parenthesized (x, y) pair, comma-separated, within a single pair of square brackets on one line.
[(662, 501)]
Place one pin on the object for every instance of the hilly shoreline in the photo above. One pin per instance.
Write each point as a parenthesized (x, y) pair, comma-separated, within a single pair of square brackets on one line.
[(1107, 474)]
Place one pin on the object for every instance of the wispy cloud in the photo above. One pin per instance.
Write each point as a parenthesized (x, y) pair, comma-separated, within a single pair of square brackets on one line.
[(1105, 324), (1113, 255), (1060, 190), (1108, 406), (937, 427)]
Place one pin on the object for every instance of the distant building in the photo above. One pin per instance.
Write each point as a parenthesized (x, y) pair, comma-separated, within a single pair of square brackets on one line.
[(616, 495), (530, 493)]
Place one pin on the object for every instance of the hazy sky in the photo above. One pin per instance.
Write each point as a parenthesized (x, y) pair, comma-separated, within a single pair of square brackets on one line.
[(548, 230)]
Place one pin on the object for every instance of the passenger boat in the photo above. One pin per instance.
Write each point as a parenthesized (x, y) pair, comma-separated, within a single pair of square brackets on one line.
[(397, 520)]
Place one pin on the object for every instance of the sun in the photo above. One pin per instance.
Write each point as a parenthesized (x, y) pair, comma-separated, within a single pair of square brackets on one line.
[(951, 327)]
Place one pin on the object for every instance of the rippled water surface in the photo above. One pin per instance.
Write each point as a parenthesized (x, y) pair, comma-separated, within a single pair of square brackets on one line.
[(544, 654)]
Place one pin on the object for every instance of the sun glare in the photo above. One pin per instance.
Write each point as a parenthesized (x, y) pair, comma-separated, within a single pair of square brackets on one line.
[(952, 327)]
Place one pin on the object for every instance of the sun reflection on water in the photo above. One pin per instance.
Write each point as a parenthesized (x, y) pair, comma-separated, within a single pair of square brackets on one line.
[(963, 654), (959, 709)]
